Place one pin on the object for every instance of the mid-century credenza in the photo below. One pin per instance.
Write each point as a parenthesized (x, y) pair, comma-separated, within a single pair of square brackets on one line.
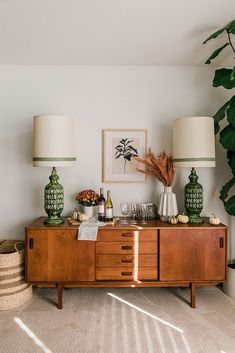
[(155, 254)]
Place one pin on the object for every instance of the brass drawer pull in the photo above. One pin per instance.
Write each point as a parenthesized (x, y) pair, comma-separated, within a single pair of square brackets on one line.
[(126, 273), (126, 247), (126, 261), (31, 243), (221, 242), (127, 235)]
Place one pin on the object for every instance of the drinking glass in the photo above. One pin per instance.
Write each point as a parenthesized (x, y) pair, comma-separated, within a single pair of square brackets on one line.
[(144, 212), (133, 209), (124, 207), (138, 210)]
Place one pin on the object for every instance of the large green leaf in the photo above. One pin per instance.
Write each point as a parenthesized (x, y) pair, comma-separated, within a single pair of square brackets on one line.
[(232, 76), (231, 112), (227, 138), (215, 35), (225, 189), (231, 161), (231, 27), (230, 206), (216, 127), (216, 53), (223, 78), (219, 115)]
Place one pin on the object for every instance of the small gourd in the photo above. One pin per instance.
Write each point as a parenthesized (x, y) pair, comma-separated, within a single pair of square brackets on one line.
[(182, 218), (75, 214), (214, 220), (174, 220), (83, 217)]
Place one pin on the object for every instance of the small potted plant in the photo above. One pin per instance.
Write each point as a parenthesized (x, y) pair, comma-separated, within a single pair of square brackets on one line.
[(89, 201)]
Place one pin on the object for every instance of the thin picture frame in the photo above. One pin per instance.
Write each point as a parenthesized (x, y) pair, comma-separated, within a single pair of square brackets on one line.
[(119, 146)]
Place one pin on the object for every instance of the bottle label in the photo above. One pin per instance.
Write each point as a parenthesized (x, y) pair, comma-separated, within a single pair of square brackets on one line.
[(109, 213), (101, 209)]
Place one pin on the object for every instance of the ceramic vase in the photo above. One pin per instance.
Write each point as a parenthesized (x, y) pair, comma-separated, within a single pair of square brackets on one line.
[(90, 211), (167, 206)]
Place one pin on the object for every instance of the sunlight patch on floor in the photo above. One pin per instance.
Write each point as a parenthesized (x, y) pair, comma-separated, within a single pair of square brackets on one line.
[(146, 313), (30, 333)]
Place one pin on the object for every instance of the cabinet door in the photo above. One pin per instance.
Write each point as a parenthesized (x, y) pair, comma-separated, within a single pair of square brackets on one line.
[(56, 255), (192, 254)]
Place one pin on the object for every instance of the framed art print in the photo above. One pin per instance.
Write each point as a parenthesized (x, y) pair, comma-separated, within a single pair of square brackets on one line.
[(119, 148)]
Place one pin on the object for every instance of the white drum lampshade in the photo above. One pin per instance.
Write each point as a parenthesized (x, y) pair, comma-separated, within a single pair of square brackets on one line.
[(53, 141), (194, 146), (194, 142), (53, 146)]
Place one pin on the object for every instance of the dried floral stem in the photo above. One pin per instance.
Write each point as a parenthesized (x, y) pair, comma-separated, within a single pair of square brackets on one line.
[(160, 167)]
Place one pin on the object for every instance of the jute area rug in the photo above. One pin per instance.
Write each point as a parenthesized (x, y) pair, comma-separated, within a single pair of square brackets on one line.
[(121, 320)]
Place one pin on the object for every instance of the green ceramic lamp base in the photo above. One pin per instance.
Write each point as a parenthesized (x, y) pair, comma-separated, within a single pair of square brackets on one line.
[(54, 220), (194, 218), (193, 196), (54, 199)]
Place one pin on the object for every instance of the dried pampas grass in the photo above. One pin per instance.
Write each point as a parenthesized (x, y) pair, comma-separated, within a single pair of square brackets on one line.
[(160, 167)]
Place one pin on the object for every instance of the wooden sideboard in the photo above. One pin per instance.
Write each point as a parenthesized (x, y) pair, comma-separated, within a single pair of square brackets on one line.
[(156, 254)]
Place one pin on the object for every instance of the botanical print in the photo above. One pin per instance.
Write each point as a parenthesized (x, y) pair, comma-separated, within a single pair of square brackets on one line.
[(124, 151), (119, 148)]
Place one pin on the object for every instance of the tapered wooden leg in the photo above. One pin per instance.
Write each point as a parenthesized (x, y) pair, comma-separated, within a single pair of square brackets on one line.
[(193, 295), (59, 294)]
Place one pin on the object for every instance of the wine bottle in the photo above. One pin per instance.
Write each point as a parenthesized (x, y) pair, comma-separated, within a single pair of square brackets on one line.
[(108, 208), (101, 206)]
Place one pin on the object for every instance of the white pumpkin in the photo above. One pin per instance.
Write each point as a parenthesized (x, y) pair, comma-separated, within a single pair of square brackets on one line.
[(183, 218), (174, 220), (83, 217), (214, 220)]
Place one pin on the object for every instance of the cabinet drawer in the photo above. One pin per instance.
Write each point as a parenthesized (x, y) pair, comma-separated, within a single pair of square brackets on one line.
[(127, 274), (126, 247), (126, 261), (126, 235)]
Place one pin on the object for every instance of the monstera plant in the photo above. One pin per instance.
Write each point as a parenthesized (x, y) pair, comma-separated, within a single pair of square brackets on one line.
[(225, 77)]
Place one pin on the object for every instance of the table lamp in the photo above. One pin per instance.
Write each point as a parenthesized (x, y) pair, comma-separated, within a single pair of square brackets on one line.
[(193, 146), (53, 146)]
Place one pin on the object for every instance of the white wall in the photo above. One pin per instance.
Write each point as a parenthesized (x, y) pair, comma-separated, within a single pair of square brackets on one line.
[(98, 97)]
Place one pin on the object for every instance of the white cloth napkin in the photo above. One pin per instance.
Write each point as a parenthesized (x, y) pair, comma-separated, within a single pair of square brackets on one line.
[(88, 229)]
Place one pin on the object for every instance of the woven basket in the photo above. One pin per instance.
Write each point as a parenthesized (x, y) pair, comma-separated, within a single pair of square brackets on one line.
[(13, 289)]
